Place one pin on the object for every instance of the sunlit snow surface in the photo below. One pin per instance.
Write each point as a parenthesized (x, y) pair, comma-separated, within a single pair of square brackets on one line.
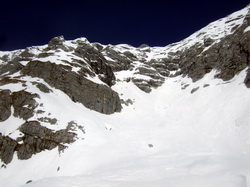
[(167, 138)]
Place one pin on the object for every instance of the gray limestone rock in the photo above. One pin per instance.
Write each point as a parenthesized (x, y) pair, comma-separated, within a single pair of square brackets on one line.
[(208, 42), (247, 79), (119, 61), (57, 43), (10, 68), (95, 96), (26, 55), (8, 80), (5, 58), (5, 104), (194, 90), (24, 104), (154, 81), (44, 54), (97, 62), (33, 145), (52, 121), (230, 56), (142, 84), (38, 138), (33, 128), (7, 148), (42, 87)]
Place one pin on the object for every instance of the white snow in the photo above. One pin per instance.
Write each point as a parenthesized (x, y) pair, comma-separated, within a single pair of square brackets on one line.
[(10, 125), (108, 58), (247, 29), (170, 137)]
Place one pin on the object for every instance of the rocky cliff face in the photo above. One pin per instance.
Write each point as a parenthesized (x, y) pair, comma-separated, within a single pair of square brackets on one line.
[(95, 96), (35, 139), (85, 72), (229, 56)]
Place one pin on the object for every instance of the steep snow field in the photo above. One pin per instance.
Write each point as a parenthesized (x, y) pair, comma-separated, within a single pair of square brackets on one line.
[(184, 133), (170, 137)]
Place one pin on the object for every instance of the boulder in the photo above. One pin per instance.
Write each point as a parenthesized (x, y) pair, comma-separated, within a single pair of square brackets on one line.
[(38, 138), (24, 104)]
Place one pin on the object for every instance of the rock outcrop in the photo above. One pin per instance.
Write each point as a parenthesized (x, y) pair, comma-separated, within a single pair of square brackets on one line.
[(247, 79), (229, 57), (5, 104), (23, 103), (117, 60), (7, 148), (95, 96), (97, 62), (35, 139)]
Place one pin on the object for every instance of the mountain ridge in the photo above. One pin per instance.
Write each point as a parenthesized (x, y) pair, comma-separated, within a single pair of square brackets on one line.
[(51, 93)]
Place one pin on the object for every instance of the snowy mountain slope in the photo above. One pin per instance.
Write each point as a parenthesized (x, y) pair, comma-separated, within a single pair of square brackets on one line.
[(178, 115), (160, 139)]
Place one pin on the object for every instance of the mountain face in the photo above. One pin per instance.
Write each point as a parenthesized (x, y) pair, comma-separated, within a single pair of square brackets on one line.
[(60, 95)]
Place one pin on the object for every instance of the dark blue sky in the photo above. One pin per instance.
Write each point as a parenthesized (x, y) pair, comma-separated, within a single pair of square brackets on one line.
[(135, 22)]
